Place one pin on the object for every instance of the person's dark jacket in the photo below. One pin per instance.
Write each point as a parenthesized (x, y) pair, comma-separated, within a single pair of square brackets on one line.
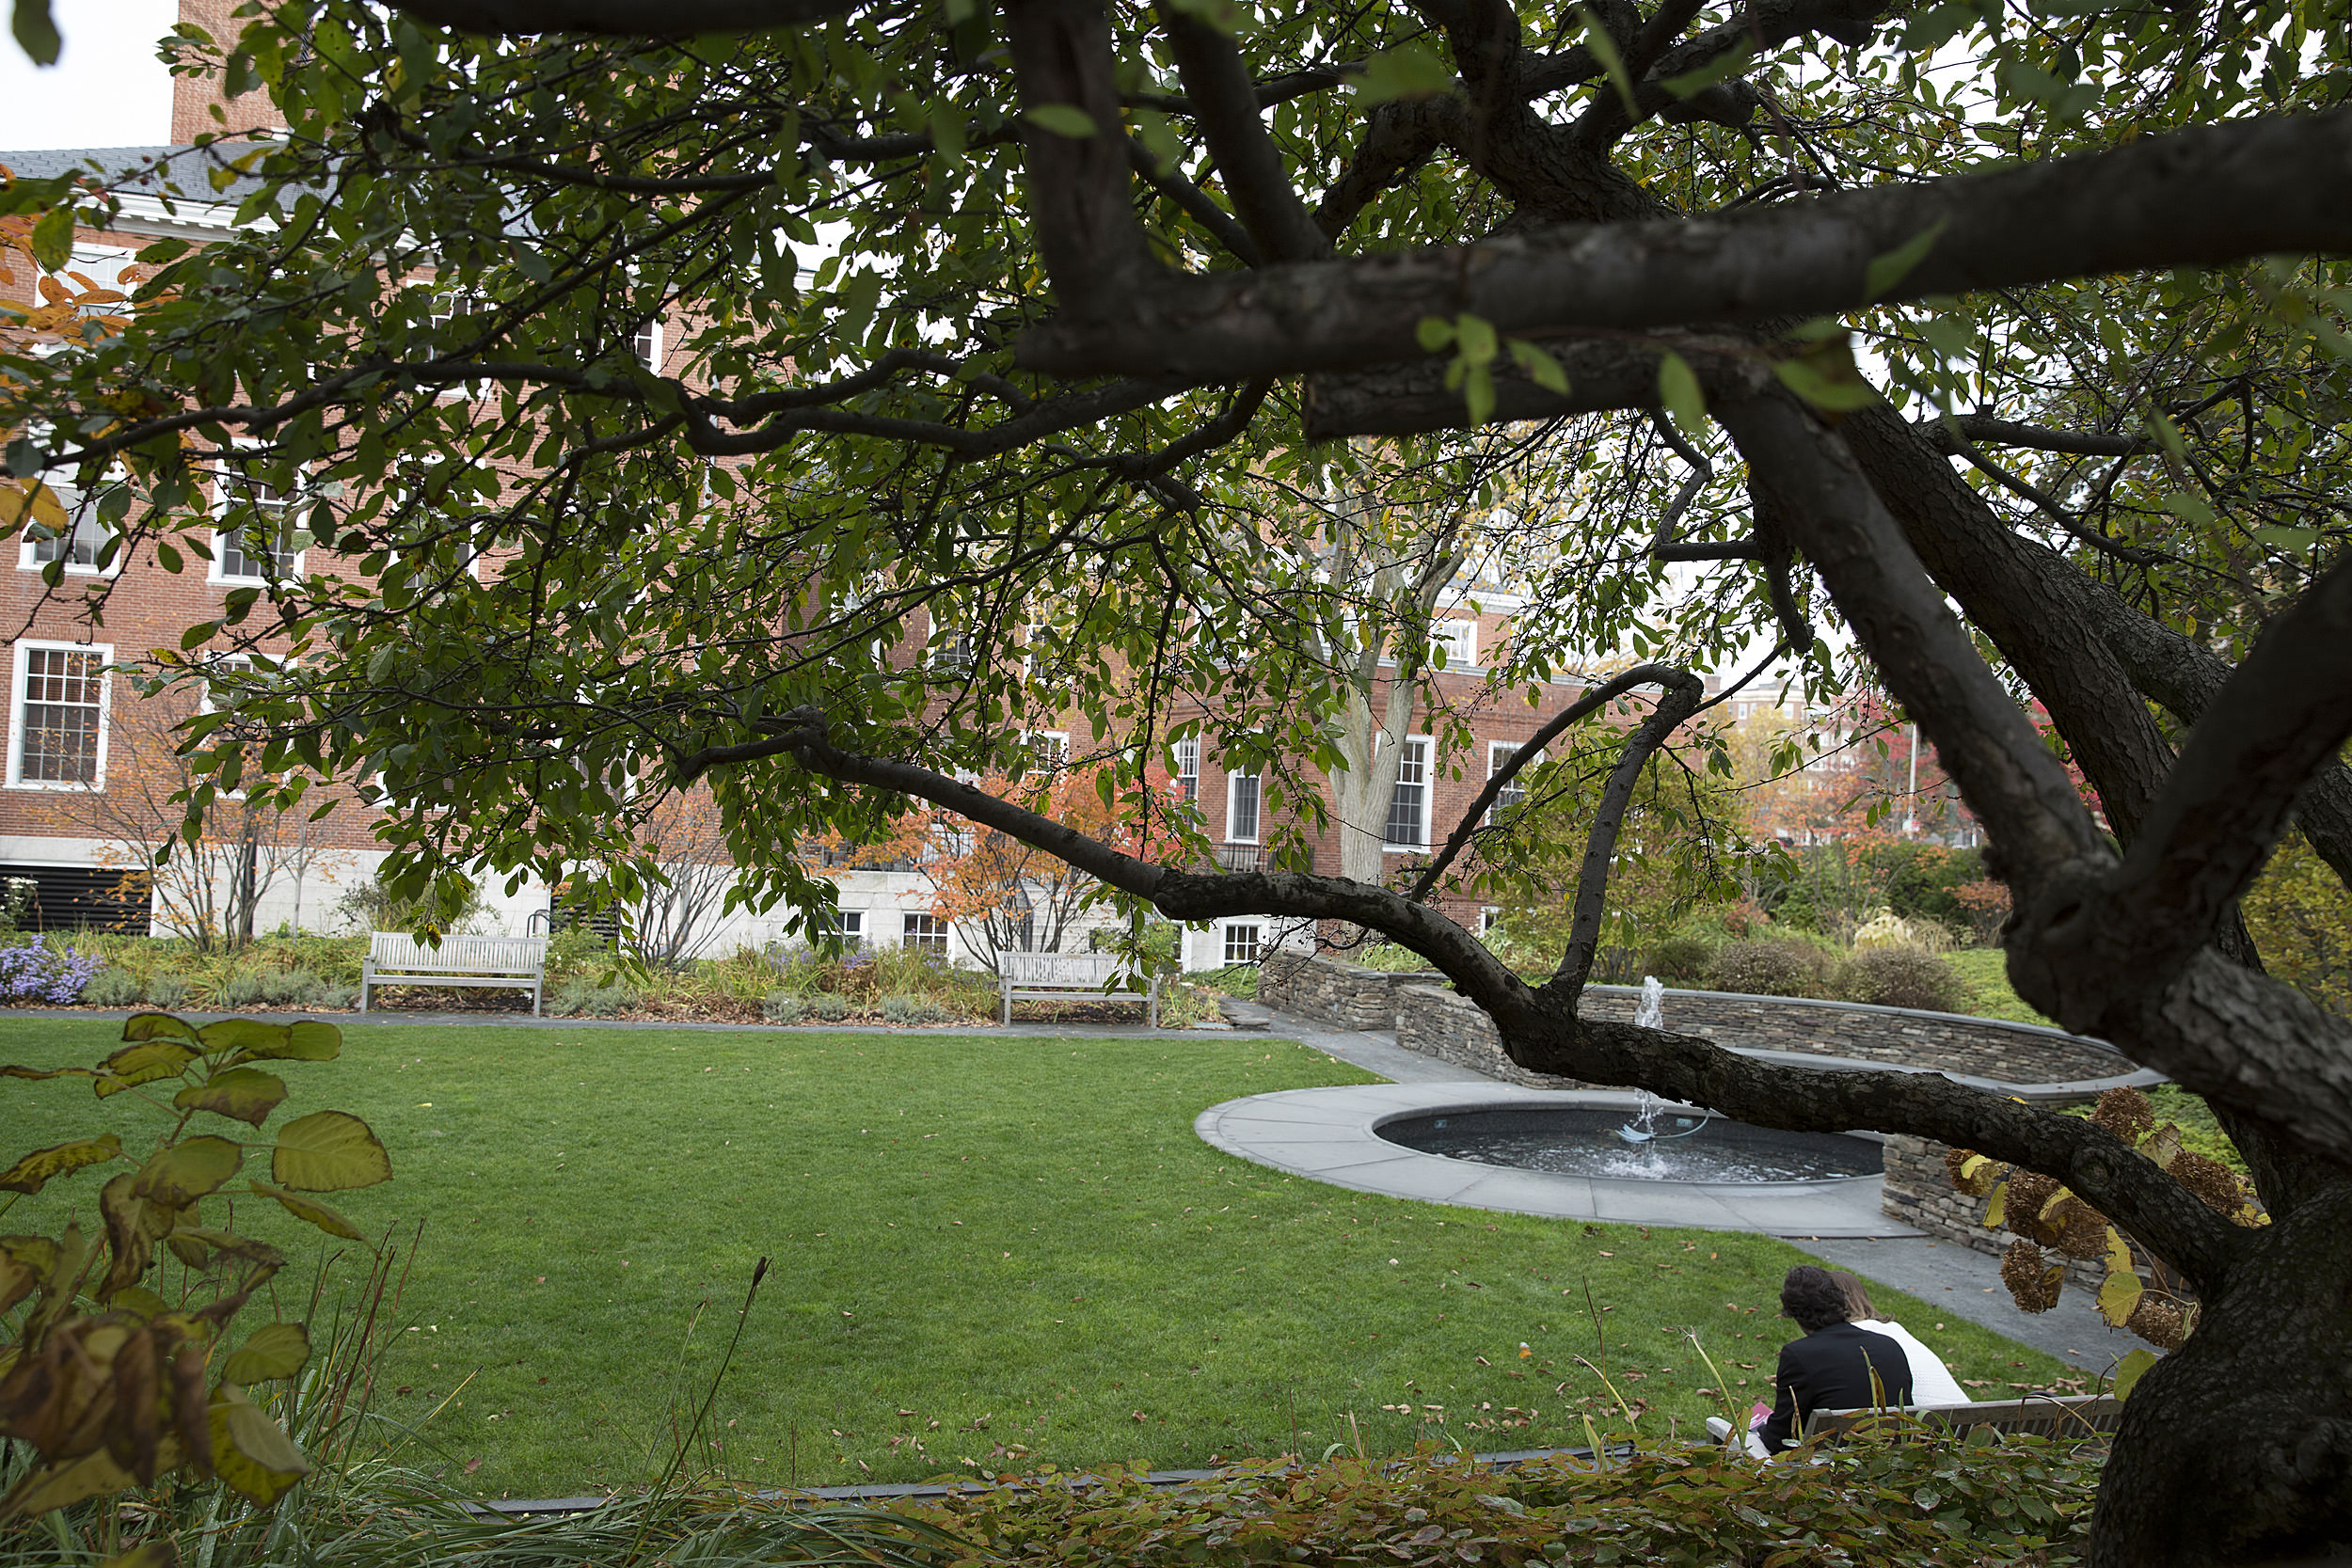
[(1831, 1368)]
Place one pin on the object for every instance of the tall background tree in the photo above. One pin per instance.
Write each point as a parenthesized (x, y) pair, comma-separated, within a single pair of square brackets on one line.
[(753, 359)]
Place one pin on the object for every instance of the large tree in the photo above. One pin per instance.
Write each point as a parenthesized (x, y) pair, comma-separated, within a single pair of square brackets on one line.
[(971, 320)]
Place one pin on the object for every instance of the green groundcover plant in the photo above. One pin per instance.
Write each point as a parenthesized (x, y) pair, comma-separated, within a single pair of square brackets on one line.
[(1867, 1503)]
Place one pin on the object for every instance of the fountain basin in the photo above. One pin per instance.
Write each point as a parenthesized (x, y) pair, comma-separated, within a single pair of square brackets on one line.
[(1335, 1135), (1688, 1146)]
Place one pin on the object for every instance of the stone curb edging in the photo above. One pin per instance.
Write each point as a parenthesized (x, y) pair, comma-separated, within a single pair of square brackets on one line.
[(1331, 1135)]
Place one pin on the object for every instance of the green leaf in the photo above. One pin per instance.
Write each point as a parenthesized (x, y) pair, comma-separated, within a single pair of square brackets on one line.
[(2191, 508), (2119, 1297), (65, 1483), (29, 1175), (35, 32), (1435, 334), (251, 1452), (1824, 376), (242, 1093), (1408, 71), (1541, 368), (329, 1151), (2129, 1371), (1678, 389), (311, 1212), (272, 1350), (180, 1175), (1478, 393), (1474, 336), (1604, 49), (160, 1026), (1886, 271), (144, 1063), (52, 236), (306, 1041), (1692, 82), (1062, 119)]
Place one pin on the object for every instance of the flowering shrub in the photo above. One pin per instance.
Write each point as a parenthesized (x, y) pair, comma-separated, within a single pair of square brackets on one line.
[(31, 971)]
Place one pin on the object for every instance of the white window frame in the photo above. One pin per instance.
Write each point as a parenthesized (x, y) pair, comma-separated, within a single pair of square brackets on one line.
[(1514, 793), (75, 501), (25, 647), (1187, 773), (1049, 752), (1232, 930), (1427, 786), (930, 941), (204, 702), (1233, 777), (222, 476), (1459, 638), (650, 336)]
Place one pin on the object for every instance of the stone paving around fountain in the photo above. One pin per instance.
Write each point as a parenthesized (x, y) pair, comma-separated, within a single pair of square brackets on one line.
[(1335, 1137)]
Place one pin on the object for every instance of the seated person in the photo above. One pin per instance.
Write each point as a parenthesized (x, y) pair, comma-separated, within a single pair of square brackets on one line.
[(1834, 1367), (1931, 1381)]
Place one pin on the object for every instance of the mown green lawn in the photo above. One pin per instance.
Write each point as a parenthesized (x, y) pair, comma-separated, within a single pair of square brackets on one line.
[(1005, 1252)]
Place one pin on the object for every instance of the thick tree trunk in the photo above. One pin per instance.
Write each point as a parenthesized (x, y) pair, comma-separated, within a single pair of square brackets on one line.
[(2238, 1448)]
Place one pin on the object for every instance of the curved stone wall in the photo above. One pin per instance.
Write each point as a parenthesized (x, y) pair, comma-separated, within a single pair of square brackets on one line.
[(1427, 1016)]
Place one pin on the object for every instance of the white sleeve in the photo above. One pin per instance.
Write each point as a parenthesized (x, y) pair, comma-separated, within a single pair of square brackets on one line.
[(1931, 1381)]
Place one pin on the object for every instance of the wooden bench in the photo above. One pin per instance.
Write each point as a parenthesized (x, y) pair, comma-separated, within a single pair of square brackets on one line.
[(513, 963), (1059, 977), (2035, 1414)]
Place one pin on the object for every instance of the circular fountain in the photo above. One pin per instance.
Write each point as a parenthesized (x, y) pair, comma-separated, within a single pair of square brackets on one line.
[(1686, 1146)]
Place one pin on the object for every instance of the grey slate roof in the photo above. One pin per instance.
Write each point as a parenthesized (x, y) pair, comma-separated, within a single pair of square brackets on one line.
[(184, 166)]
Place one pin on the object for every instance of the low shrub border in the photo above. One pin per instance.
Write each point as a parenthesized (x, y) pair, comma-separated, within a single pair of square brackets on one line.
[(1879, 1504)]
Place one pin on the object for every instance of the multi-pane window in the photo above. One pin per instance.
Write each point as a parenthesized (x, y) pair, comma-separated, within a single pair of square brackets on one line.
[(79, 546), (1240, 808), (646, 343), (1049, 750), (1409, 808), (1457, 641), (1509, 797), (1242, 943), (927, 932), (848, 926), (264, 547), (60, 715), (1188, 768)]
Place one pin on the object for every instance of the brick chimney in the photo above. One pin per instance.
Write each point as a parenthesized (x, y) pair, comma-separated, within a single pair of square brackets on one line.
[(193, 97)]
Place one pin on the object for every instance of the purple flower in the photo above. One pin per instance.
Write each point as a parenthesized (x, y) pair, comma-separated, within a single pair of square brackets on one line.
[(31, 972)]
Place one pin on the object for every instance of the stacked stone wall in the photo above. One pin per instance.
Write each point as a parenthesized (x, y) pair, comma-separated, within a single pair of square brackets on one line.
[(1350, 996), (1919, 1193)]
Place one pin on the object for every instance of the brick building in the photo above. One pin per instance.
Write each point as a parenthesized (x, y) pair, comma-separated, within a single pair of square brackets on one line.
[(89, 767)]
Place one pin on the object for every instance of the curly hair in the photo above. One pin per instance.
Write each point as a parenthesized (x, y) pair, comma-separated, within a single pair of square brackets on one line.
[(1813, 1298)]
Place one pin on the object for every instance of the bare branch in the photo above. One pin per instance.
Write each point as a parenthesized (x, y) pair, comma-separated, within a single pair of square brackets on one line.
[(1985, 429), (1665, 676), (643, 19), (1225, 107)]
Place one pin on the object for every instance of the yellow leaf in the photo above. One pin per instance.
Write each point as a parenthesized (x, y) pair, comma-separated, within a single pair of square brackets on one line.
[(273, 1350), (329, 1151), (1997, 1211), (312, 1211), (65, 1483), (187, 1171), (251, 1452), (244, 1093), (29, 1175), (2119, 1297)]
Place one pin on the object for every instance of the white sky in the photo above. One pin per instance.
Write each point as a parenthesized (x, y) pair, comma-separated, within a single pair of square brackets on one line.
[(107, 89)]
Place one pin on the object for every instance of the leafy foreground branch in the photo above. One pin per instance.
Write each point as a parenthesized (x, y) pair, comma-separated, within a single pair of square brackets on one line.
[(2021, 1500)]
